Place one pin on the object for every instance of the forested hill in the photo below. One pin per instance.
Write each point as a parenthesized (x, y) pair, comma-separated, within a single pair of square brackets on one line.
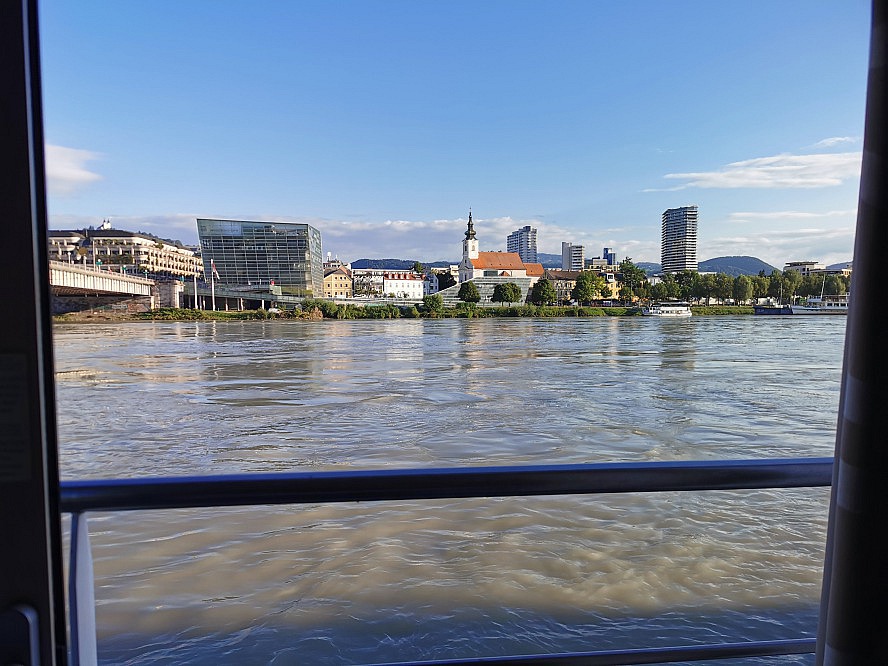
[(732, 266), (735, 266)]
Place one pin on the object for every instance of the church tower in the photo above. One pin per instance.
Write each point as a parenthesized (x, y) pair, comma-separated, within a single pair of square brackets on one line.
[(470, 251)]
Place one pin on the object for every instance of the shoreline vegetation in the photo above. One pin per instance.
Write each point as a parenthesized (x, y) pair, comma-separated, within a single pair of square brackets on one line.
[(319, 310)]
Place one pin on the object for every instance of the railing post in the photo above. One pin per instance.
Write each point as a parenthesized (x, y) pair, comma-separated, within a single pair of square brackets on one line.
[(81, 595), (854, 599)]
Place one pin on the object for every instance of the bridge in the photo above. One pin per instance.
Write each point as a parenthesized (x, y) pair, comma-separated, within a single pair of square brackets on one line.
[(76, 288), (72, 280)]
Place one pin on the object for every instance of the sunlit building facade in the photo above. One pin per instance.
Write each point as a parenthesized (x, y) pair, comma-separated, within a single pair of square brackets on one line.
[(678, 249), (282, 254), (523, 242)]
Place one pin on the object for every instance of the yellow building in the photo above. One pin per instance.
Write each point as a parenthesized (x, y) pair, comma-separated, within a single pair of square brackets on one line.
[(338, 283)]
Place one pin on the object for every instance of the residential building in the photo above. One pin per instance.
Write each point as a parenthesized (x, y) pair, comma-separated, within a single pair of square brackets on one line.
[(523, 242), (403, 284), (572, 257), (430, 283), (123, 251), (563, 281), (283, 254), (338, 283), (804, 268), (678, 249), (368, 281)]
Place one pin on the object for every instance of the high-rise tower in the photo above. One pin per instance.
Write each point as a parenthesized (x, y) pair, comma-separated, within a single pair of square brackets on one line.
[(523, 241), (678, 249)]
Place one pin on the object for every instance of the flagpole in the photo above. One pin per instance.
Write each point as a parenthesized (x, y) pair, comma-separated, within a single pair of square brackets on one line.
[(194, 304), (213, 285)]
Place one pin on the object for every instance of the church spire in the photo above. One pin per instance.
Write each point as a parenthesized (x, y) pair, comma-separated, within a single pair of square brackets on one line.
[(470, 232)]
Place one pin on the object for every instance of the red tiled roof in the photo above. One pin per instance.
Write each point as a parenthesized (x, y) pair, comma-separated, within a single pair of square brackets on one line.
[(534, 270), (500, 261)]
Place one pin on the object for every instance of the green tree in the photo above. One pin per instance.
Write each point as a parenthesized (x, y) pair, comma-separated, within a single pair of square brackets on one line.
[(743, 289), (724, 286), (445, 280), (468, 292), (792, 280), (418, 268), (508, 292), (606, 291), (632, 276), (543, 293), (433, 303), (587, 287)]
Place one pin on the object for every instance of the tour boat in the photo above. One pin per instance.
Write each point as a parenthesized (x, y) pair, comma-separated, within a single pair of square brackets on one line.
[(673, 309), (829, 305)]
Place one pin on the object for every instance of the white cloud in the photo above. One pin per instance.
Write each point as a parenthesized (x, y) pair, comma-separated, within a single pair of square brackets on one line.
[(828, 246), (66, 171), (836, 141), (779, 171), (791, 215)]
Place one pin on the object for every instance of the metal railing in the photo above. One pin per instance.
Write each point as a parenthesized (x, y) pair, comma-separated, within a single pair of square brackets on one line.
[(79, 497)]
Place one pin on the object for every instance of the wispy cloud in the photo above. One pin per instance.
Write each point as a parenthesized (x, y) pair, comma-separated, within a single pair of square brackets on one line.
[(66, 171), (829, 246), (834, 141), (779, 171), (790, 215)]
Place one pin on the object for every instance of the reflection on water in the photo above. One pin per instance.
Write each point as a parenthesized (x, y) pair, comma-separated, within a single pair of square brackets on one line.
[(395, 581)]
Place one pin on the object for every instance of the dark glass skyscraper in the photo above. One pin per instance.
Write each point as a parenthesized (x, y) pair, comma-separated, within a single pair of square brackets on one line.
[(263, 253)]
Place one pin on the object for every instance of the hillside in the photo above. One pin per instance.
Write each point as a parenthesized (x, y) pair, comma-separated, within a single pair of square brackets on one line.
[(732, 266), (735, 266)]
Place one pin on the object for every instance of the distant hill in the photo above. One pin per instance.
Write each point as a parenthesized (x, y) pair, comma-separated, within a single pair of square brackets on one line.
[(732, 266), (735, 266)]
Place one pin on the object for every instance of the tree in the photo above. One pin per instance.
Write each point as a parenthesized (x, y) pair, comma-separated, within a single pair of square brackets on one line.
[(606, 291), (418, 268), (743, 289), (587, 287), (468, 292), (632, 276), (543, 292), (724, 286), (508, 292), (433, 303), (445, 280)]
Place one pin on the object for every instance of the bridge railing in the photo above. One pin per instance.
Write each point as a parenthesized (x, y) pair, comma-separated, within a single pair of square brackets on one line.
[(80, 497)]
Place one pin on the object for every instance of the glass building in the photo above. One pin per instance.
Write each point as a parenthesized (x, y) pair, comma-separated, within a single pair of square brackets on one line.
[(283, 254)]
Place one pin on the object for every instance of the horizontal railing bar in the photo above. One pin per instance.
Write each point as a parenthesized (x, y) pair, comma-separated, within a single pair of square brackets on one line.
[(447, 483), (641, 655)]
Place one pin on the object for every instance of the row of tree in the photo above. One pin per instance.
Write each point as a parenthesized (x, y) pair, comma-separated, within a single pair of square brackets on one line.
[(685, 285)]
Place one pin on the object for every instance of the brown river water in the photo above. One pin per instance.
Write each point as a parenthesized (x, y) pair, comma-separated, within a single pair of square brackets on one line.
[(398, 581)]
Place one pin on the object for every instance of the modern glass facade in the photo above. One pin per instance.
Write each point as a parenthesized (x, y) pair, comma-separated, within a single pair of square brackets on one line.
[(263, 253), (678, 251)]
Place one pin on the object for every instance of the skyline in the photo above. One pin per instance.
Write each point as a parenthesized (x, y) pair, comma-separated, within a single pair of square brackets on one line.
[(383, 123)]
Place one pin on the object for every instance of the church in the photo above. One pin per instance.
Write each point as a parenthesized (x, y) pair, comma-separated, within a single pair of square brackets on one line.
[(477, 264)]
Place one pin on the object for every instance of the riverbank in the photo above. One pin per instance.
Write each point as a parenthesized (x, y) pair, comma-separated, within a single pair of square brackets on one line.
[(328, 310)]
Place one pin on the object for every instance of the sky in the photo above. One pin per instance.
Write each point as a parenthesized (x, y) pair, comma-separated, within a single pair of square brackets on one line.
[(383, 122)]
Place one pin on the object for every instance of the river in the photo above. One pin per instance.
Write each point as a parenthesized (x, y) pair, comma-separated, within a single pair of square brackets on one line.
[(365, 583)]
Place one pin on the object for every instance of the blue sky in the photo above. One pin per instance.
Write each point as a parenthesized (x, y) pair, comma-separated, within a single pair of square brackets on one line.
[(382, 122)]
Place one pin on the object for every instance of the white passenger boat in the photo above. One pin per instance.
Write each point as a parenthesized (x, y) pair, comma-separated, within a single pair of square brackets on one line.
[(671, 309), (829, 305)]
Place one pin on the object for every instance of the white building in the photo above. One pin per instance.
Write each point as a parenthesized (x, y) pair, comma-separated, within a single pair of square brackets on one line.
[(523, 242), (572, 257), (403, 284), (678, 248)]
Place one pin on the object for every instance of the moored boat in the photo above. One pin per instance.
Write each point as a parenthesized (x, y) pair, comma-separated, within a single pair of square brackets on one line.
[(771, 309), (670, 309), (829, 305)]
